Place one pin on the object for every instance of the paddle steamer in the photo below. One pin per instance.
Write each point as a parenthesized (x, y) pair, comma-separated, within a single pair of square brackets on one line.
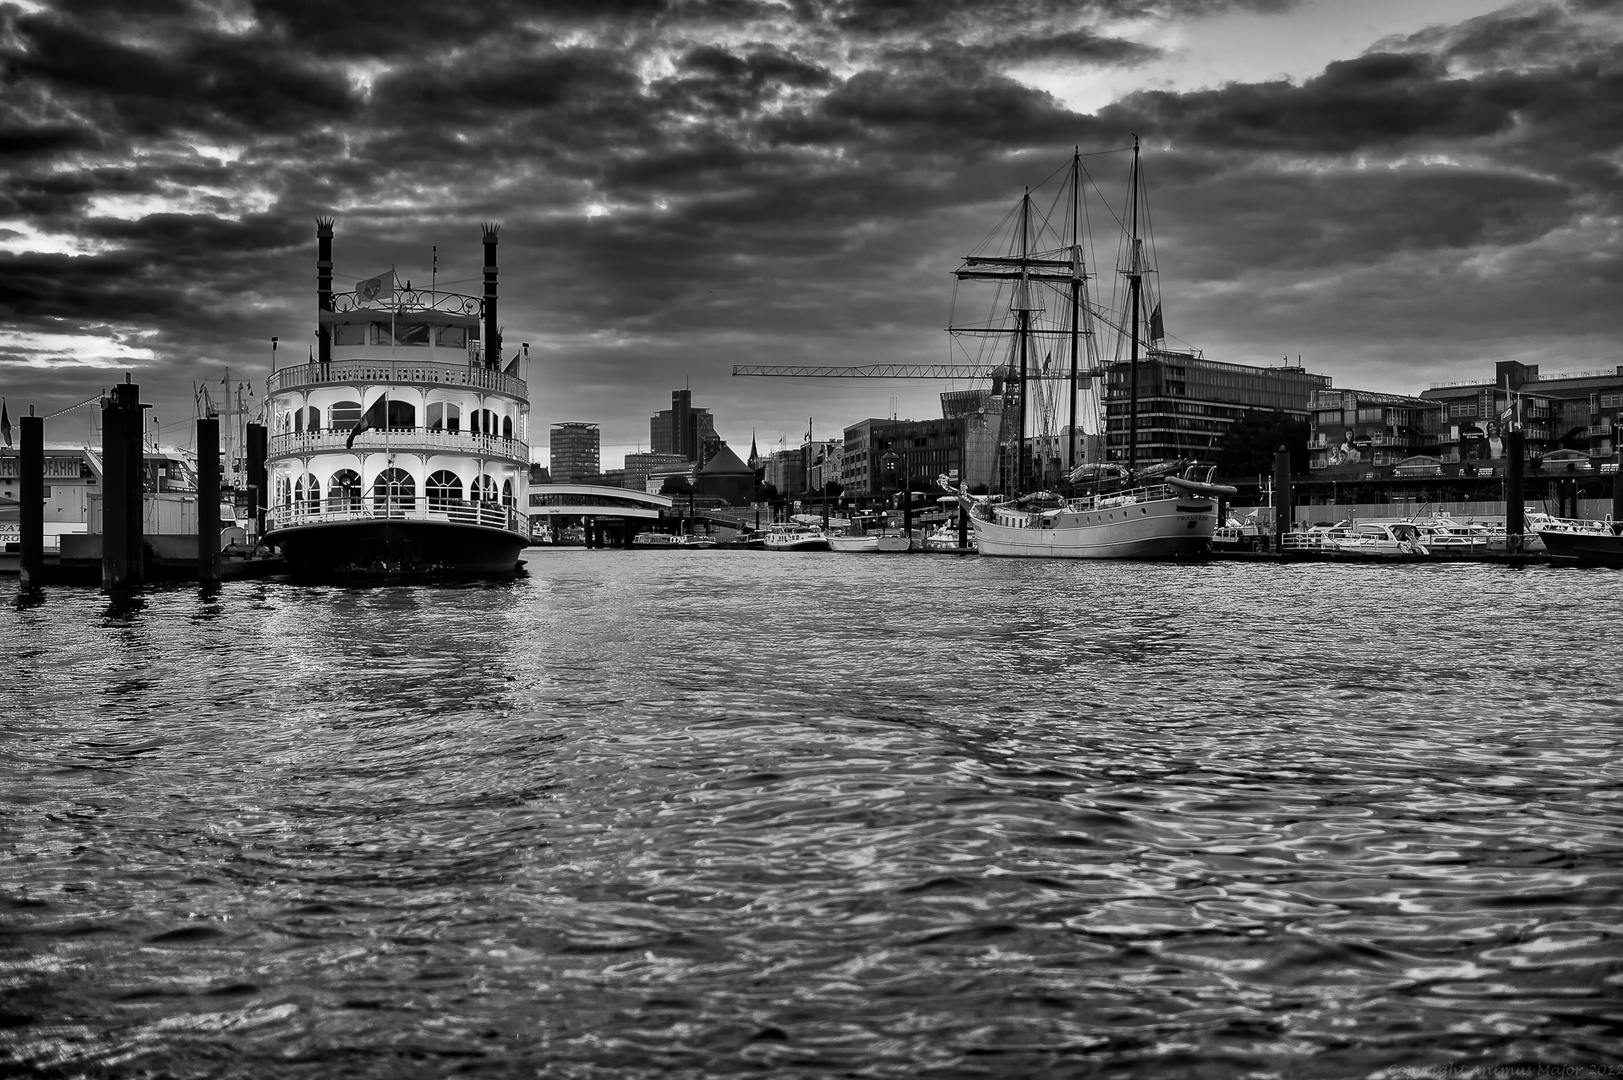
[(401, 448)]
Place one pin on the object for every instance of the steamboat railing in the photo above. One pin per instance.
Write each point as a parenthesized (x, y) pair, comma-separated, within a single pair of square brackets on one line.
[(427, 440), (396, 372), (397, 508)]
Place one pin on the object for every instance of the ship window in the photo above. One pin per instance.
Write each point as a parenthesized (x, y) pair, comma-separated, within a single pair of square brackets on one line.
[(402, 414), (344, 490), (443, 416), (393, 490), (307, 491), (507, 493), (415, 334), (345, 414), (298, 419), (312, 421), (484, 489), (349, 334), (483, 422), (453, 336), (444, 488), (507, 427)]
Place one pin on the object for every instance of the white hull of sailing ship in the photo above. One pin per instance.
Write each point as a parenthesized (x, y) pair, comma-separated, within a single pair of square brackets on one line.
[(401, 450), (1149, 523)]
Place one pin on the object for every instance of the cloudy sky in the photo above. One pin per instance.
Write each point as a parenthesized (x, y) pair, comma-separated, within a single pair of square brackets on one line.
[(1397, 191)]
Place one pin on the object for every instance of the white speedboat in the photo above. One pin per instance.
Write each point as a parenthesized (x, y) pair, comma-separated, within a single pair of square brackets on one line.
[(1447, 536), (400, 450), (1382, 538)]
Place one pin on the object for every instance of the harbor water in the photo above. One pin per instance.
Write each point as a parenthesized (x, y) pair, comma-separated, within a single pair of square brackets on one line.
[(687, 814)]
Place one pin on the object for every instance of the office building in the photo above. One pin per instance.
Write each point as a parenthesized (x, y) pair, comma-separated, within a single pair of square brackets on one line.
[(1187, 403), (574, 452)]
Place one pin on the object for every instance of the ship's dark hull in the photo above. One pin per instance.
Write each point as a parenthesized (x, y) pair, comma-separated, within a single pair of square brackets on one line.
[(1583, 549), (371, 548)]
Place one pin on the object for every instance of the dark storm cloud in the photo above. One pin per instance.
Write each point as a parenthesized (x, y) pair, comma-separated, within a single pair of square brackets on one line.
[(166, 270), (1376, 101), (175, 76)]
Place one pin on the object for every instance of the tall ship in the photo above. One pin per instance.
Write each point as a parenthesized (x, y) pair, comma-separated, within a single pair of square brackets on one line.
[(400, 449), (1047, 327)]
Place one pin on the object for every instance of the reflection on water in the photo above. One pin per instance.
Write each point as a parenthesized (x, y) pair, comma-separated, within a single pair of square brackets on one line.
[(678, 813)]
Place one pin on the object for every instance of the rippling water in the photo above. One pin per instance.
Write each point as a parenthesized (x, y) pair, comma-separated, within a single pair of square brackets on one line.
[(717, 813)]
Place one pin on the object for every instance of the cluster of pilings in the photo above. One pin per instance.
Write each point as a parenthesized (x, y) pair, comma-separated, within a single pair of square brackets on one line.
[(123, 548)]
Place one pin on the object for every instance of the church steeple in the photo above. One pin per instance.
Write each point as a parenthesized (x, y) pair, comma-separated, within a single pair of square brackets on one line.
[(755, 455)]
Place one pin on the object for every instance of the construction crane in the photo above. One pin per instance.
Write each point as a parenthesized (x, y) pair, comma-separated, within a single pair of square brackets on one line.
[(901, 371)]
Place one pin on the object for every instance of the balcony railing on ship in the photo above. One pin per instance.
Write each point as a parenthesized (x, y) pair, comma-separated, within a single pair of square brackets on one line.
[(397, 372), (397, 508), (434, 440)]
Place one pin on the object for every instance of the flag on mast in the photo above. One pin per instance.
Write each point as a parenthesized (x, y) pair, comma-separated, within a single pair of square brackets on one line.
[(375, 417), (376, 288), (1158, 330)]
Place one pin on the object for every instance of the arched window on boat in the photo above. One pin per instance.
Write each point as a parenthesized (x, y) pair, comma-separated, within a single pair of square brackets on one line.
[(484, 489), (307, 492), (394, 490), (286, 422), (344, 415), (283, 492), (507, 427), (298, 420), (344, 490), (444, 416), (484, 422), (402, 414), (312, 419), (444, 490), (507, 493)]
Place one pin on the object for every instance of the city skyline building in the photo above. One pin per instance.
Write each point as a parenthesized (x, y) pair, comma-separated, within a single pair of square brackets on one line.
[(683, 429), (573, 452)]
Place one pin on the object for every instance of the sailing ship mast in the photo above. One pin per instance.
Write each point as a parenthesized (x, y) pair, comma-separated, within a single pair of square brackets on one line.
[(1076, 293), (1135, 284), (1022, 306)]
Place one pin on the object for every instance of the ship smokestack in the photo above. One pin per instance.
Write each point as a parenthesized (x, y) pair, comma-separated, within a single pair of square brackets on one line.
[(324, 287), (493, 341)]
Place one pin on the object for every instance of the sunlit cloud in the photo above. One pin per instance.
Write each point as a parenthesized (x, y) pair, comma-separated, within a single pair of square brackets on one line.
[(85, 350)]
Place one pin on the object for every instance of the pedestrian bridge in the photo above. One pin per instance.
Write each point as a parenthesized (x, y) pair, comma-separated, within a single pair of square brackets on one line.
[(591, 500)]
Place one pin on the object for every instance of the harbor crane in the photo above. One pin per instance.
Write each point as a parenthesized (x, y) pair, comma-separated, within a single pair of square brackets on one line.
[(899, 371)]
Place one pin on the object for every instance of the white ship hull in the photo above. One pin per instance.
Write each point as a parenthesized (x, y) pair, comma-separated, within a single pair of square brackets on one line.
[(1168, 528)]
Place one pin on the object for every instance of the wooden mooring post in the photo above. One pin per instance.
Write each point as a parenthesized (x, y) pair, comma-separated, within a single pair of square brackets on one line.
[(208, 498), (123, 547), (31, 492)]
